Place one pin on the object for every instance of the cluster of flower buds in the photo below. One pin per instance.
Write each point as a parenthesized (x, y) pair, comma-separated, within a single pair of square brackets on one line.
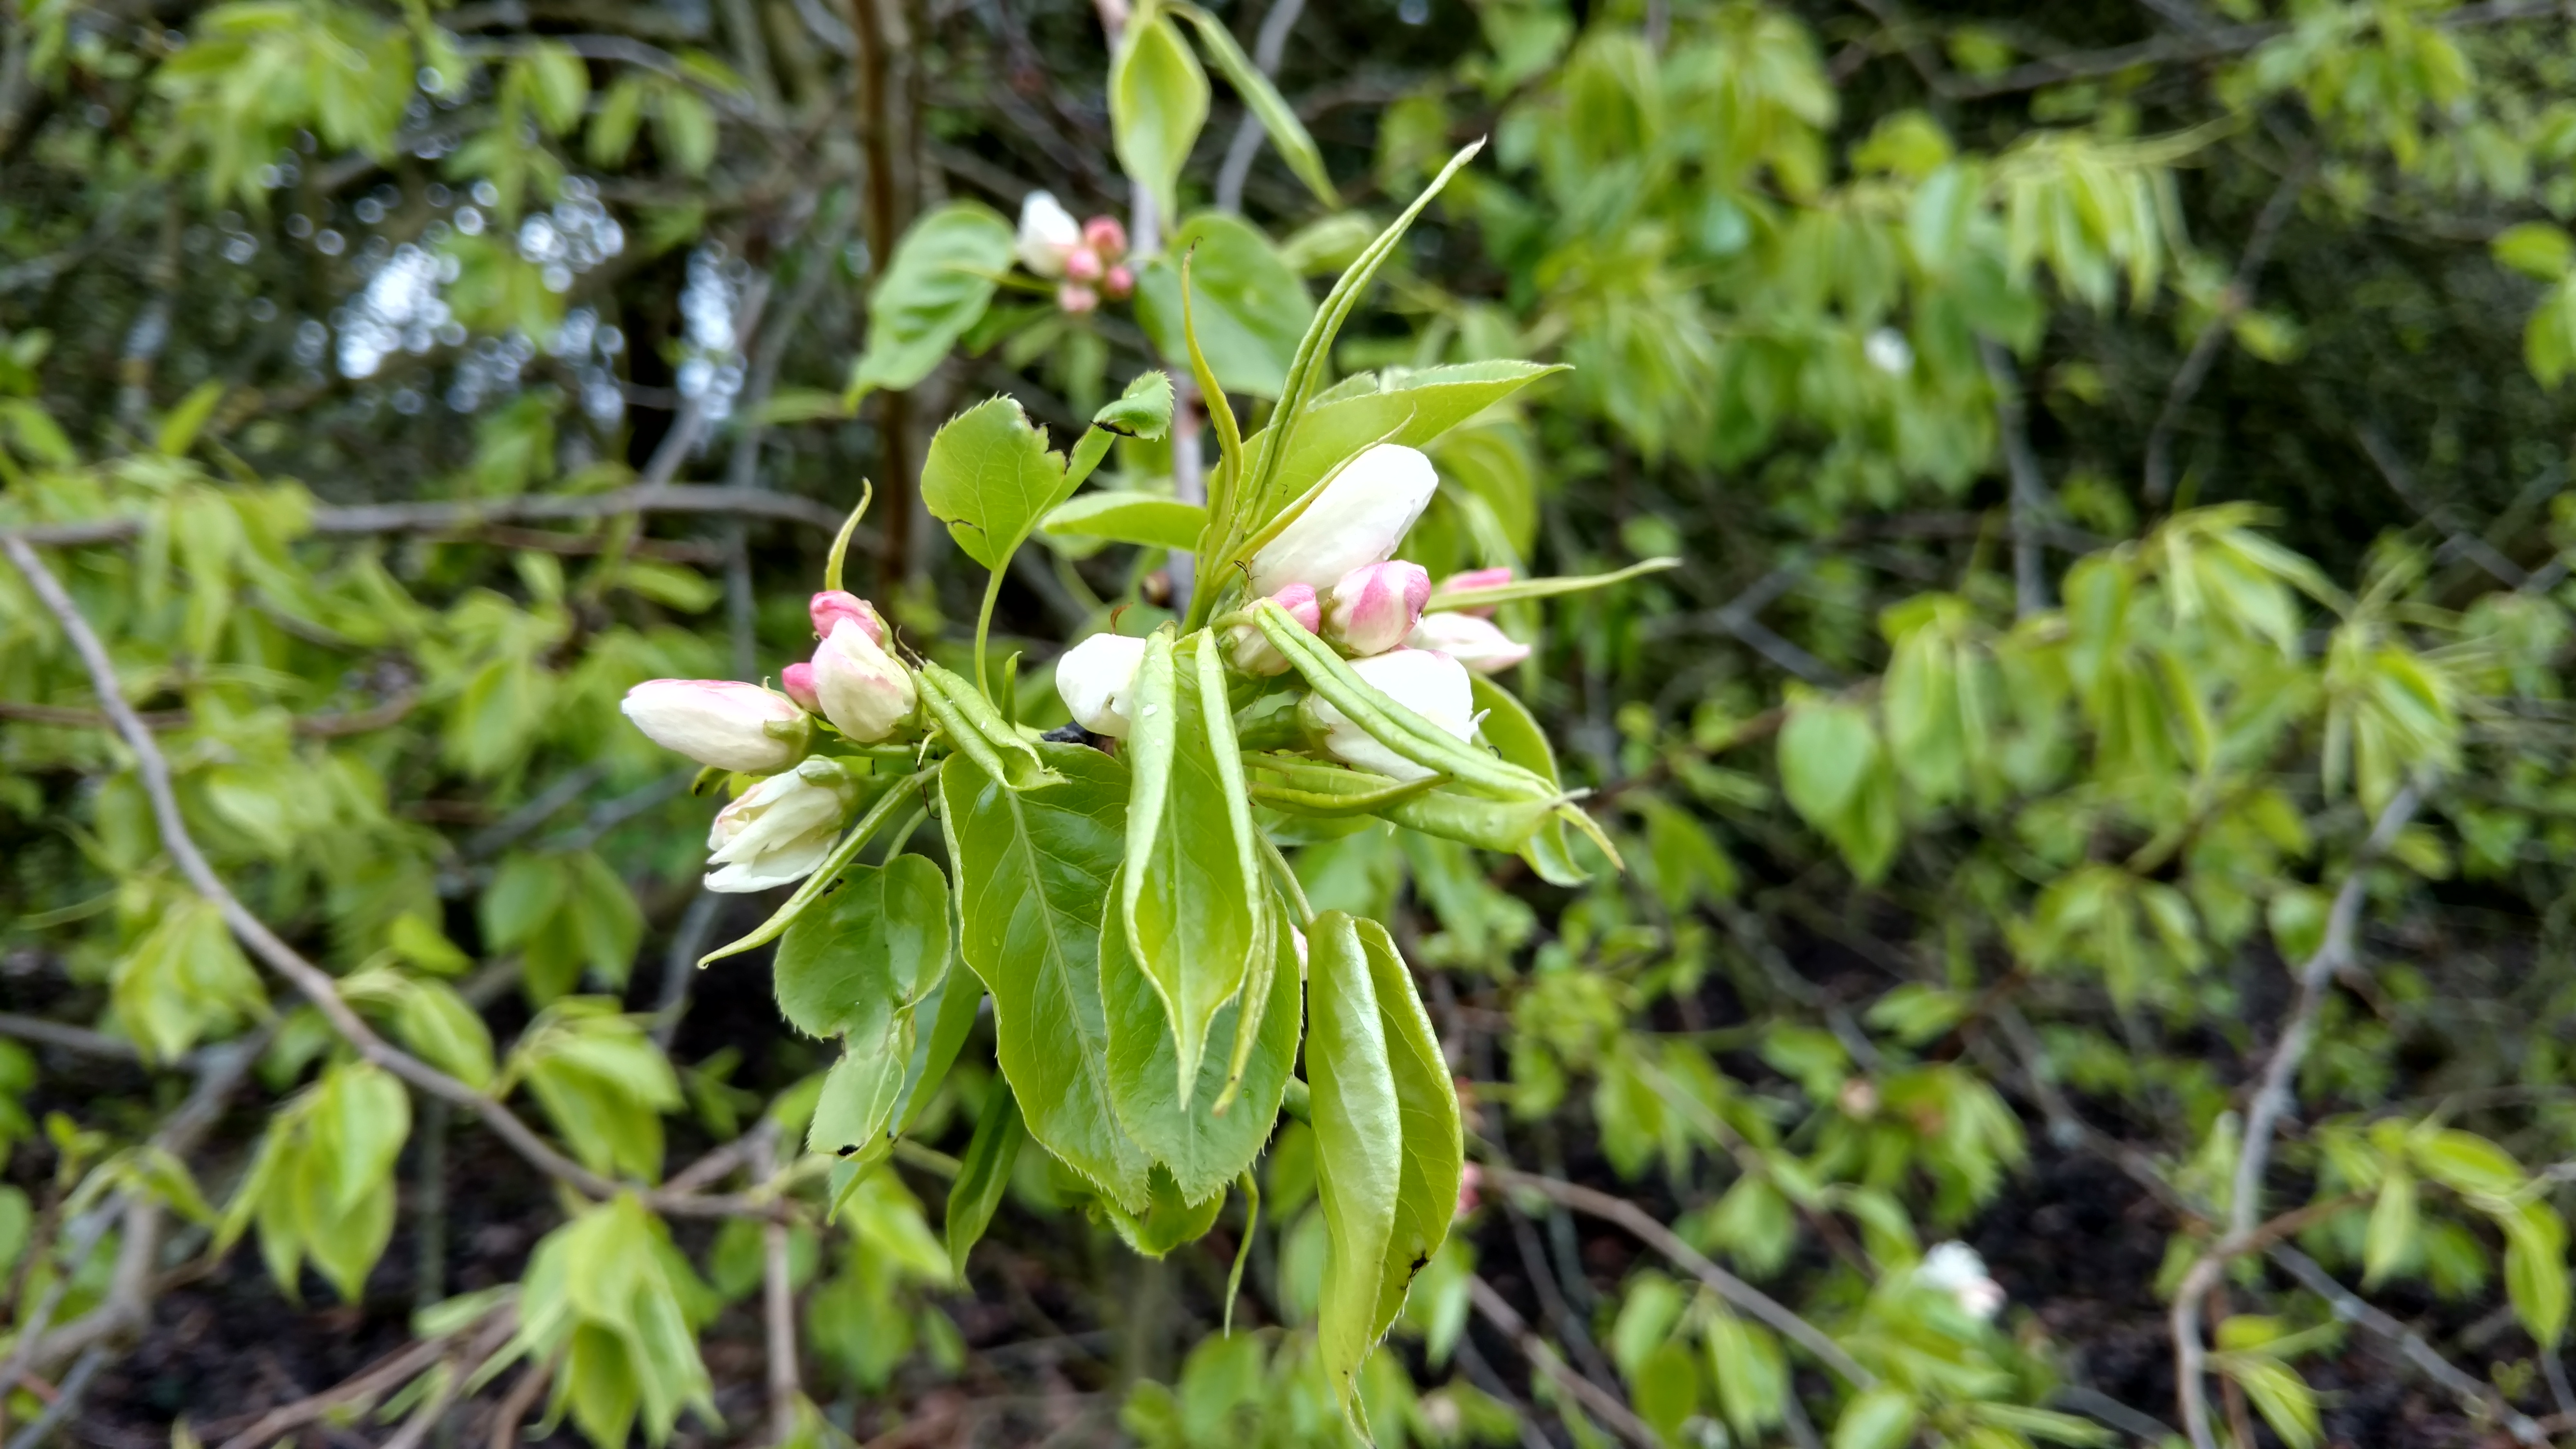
[(1086, 260), (781, 828), (1333, 570)]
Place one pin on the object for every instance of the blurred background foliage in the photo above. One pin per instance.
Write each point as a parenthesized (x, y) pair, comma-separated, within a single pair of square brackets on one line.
[(2119, 449)]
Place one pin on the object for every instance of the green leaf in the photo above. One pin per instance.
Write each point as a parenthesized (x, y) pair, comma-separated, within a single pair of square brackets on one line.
[(558, 84), (1751, 1375), (1434, 1157), (2282, 1397), (1122, 516), (1158, 99), (1144, 410), (179, 430), (1359, 1146), (2466, 1163), (2536, 249), (1836, 774), (686, 127), (2391, 1240), (854, 1114), (984, 1173), (873, 947), (1413, 410), (444, 1029), (1032, 871), (979, 731), (937, 285), (2043, 1424), (1879, 1418), (1191, 906), (1201, 1148), (2535, 1269), (990, 478), (1249, 305), (1264, 101), (1544, 588), (1169, 1219), (1515, 734)]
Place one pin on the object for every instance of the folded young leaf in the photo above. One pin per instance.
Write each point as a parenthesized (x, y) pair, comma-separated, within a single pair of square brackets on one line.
[(1190, 897), (1544, 588), (854, 1116), (1389, 722), (1427, 1104), (1033, 871), (1359, 1148), (1201, 1148), (979, 731), (983, 1173)]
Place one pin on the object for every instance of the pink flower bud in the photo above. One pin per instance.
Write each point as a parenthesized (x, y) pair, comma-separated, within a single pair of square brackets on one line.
[(1119, 283), (1376, 605), (831, 606), (864, 691), (1250, 650), (1104, 235), (1076, 299), (779, 830), (1492, 578), (1471, 1177), (719, 722), (798, 681), (1471, 641), (1082, 264)]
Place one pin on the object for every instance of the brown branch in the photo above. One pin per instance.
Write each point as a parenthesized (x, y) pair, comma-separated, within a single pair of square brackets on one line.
[(464, 515), (358, 1390), (323, 726), (778, 1299), (514, 1410), (1655, 1235), (153, 769), (1604, 1404)]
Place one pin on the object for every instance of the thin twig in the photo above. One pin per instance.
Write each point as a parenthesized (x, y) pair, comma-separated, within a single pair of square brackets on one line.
[(457, 515), (2272, 1100), (2029, 489), (2455, 539), (2213, 333), (359, 1390), (513, 1410), (778, 1299), (2217, 43), (1267, 49), (153, 769), (1655, 1235), (2353, 1309), (1603, 1404), (67, 1399)]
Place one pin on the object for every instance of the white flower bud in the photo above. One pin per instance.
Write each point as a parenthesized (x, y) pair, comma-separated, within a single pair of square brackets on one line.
[(720, 722), (1251, 651), (1358, 519), (779, 830), (1954, 1268), (1376, 605), (1471, 641), (1094, 677), (864, 691), (1432, 685), (1048, 233)]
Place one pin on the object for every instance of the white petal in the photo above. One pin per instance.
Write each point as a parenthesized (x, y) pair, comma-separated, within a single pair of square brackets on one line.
[(1358, 519)]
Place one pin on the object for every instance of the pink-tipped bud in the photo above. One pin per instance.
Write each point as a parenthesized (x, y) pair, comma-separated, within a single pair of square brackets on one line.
[(1119, 283), (1104, 235), (1076, 299), (1250, 650), (1376, 605), (865, 692), (1476, 579), (831, 606), (1082, 264), (798, 681)]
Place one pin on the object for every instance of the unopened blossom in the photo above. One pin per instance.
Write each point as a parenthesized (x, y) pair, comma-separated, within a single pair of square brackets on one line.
[(1359, 518), (1471, 1176), (1492, 578), (831, 606), (720, 722), (1076, 299), (1106, 237), (1251, 651), (1375, 605), (779, 830), (1889, 352), (1118, 283), (864, 691), (1082, 264), (1471, 641), (1429, 683), (798, 681), (1954, 1268), (1095, 676), (1048, 233)]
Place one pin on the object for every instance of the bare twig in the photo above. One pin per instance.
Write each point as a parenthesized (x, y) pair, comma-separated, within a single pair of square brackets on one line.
[(317, 986), (465, 514), (2351, 1308), (1267, 48), (360, 1389), (1655, 1235), (1602, 1403), (2272, 1100), (2213, 333), (778, 1299), (2029, 490), (67, 1399), (2456, 540), (513, 1410), (70, 1038)]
